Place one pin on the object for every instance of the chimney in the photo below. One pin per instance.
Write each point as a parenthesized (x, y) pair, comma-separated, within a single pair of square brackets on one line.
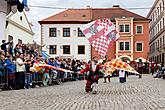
[(116, 6), (88, 6)]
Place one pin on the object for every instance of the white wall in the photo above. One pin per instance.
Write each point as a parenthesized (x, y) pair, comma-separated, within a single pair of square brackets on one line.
[(74, 41), (3, 10), (18, 33), (19, 29)]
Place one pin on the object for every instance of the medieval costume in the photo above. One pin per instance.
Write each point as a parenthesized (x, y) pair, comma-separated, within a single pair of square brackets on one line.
[(93, 76)]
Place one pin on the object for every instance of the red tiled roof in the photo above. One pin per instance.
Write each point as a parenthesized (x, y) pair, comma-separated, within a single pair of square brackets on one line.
[(87, 15), (71, 15), (113, 13)]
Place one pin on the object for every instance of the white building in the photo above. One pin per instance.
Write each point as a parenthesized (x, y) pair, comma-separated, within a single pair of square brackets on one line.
[(18, 28), (157, 31), (65, 39), (70, 46), (3, 13)]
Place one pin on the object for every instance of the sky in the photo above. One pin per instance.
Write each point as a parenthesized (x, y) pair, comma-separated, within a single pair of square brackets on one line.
[(36, 14)]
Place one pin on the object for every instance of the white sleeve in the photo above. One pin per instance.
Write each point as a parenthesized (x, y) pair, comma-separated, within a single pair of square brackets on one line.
[(19, 61)]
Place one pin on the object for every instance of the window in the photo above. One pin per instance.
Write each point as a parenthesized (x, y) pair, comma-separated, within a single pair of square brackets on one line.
[(163, 40), (52, 49), (80, 34), (124, 28), (163, 22), (158, 11), (139, 47), (163, 4), (66, 32), (160, 5), (66, 49), (139, 29), (162, 57), (124, 46), (160, 42), (81, 49), (160, 24), (121, 28), (127, 46), (52, 32), (21, 18), (121, 45)]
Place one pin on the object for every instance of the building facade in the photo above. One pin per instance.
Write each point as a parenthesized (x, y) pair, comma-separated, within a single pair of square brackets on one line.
[(133, 29), (65, 41), (157, 31), (18, 29)]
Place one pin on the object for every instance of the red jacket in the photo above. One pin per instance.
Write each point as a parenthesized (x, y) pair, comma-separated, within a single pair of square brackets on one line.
[(87, 68)]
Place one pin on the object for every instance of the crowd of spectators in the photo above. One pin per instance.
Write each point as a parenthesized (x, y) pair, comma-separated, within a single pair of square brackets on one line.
[(15, 63)]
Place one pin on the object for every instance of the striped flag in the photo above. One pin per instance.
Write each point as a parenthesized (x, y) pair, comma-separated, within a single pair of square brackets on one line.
[(100, 33)]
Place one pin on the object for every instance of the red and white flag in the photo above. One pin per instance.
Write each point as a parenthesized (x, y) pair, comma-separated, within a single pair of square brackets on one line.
[(100, 34)]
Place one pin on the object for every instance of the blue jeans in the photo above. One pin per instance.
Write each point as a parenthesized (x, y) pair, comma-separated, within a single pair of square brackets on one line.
[(35, 76), (28, 80), (46, 78)]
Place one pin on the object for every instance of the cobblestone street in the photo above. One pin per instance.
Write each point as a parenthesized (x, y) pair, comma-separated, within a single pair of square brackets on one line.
[(136, 94)]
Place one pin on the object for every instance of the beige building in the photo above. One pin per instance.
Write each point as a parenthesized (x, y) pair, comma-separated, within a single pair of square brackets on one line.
[(157, 31)]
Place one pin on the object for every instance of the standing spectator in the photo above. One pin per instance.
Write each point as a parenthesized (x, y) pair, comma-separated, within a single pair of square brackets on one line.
[(140, 68), (10, 49), (2, 68), (11, 71), (57, 64), (46, 75), (3, 46), (152, 68), (162, 65), (51, 72), (20, 72), (28, 75), (74, 68), (2, 52), (18, 49)]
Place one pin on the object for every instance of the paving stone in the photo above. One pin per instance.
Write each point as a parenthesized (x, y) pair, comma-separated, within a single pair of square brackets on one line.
[(136, 94)]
